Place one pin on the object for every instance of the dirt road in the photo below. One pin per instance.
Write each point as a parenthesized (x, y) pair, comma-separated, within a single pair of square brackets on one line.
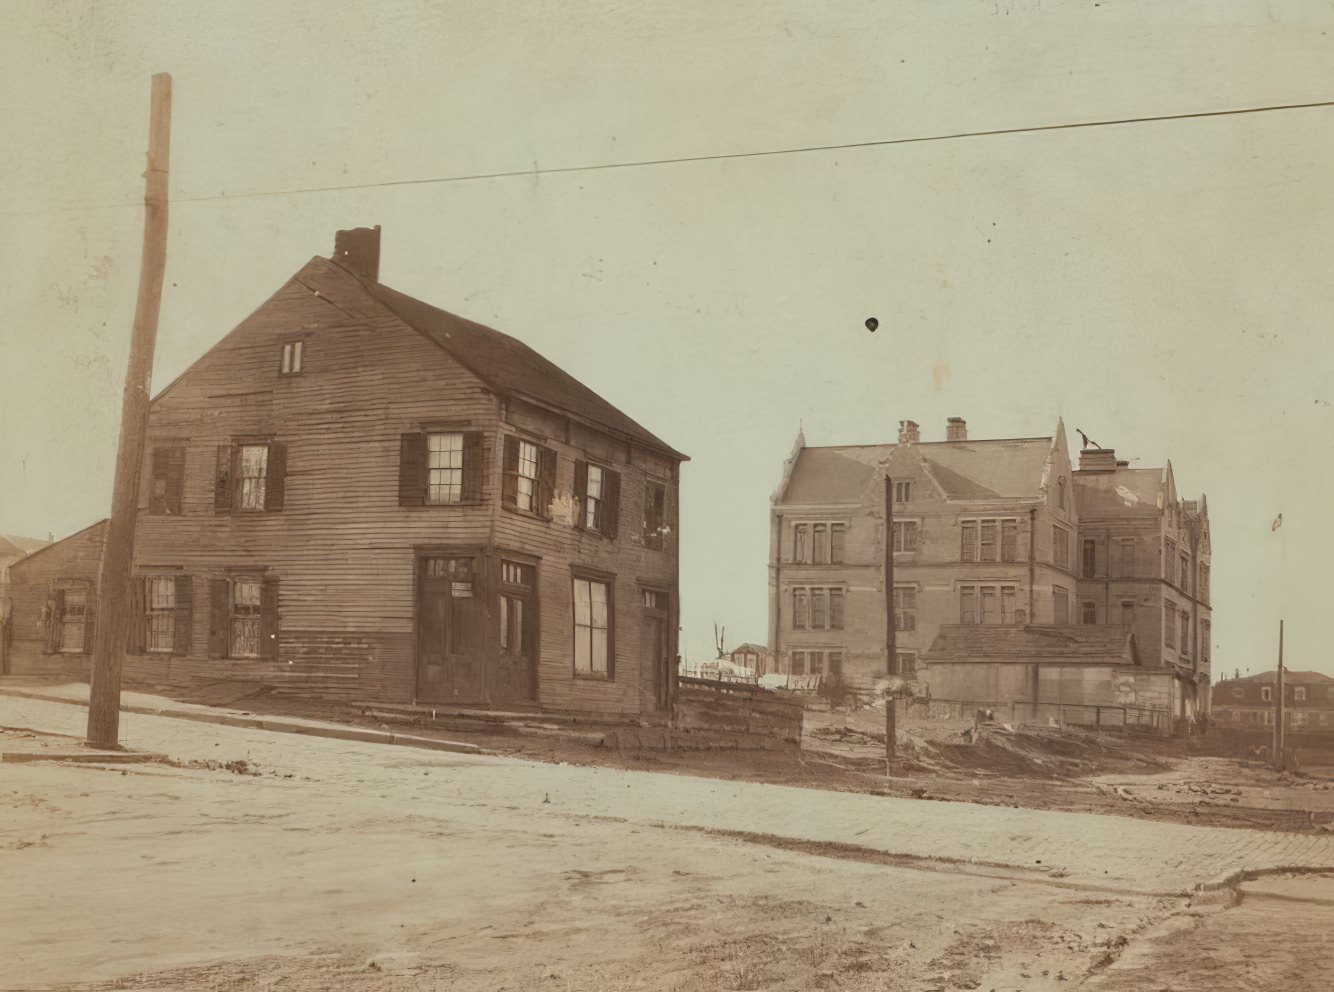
[(353, 866)]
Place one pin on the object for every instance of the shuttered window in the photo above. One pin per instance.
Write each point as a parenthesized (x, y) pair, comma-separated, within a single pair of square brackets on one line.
[(655, 515), (167, 485), (243, 618), (161, 609), (440, 468), (530, 476), (251, 476), (598, 495)]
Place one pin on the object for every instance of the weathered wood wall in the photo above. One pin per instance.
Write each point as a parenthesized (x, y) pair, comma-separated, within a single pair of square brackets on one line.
[(31, 581)]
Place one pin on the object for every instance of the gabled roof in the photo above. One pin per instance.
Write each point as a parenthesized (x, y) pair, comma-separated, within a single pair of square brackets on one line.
[(1087, 643), (13, 546), (510, 366), (1009, 468), (1125, 491), (100, 526)]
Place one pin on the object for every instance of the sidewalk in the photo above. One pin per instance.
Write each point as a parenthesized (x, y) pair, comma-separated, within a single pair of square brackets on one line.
[(1078, 849), (76, 693)]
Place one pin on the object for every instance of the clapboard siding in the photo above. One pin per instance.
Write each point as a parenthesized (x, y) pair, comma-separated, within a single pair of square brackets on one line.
[(31, 582), (342, 548)]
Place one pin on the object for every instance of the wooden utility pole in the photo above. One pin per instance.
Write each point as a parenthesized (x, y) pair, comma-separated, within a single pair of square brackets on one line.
[(891, 698), (113, 583), (1278, 703)]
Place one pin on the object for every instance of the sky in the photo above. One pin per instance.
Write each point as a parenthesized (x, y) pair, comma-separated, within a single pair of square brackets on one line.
[(1163, 286)]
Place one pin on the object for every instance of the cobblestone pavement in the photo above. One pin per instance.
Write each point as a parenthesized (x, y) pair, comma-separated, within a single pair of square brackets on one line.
[(1081, 849)]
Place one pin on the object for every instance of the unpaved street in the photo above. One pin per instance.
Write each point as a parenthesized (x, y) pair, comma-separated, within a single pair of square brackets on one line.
[(355, 866)]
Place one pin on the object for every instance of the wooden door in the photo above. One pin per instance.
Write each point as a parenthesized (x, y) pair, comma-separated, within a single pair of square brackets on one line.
[(654, 646), (450, 610), (513, 678)]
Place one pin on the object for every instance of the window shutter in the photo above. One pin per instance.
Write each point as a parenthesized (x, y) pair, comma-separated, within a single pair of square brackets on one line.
[(55, 609), (184, 626), (546, 480), (510, 489), (175, 480), (222, 484), (157, 501), (136, 639), (611, 502), (581, 493), (90, 618), (275, 480), (412, 469), (219, 608), (474, 466), (268, 619)]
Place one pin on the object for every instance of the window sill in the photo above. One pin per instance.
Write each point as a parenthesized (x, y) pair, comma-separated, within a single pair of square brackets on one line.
[(517, 511), (436, 506), (593, 676)]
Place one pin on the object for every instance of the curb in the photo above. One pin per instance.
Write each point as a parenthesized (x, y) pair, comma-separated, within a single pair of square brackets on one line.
[(84, 757), (278, 725)]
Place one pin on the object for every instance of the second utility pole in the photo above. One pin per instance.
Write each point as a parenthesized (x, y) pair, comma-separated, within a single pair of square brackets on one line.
[(113, 581), (891, 698)]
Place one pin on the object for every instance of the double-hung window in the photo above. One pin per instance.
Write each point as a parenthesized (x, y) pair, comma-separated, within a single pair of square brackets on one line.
[(593, 655)]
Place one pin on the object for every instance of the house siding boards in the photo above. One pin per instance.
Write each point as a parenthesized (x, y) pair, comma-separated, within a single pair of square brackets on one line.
[(33, 580), (343, 551)]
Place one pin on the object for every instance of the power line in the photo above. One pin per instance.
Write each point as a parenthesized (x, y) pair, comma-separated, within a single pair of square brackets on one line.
[(727, 156)]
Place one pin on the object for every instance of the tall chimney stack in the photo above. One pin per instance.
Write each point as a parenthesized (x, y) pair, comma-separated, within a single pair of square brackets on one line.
[(909, 432), (956, 429), (1098, 460), (358, 251)]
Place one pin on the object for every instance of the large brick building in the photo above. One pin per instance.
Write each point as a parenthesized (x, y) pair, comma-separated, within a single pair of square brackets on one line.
[(1093, 570)]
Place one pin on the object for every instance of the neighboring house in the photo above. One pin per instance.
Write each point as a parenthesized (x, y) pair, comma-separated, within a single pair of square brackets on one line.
[(53, 596), (987, 533), (354, 494), (1247, 704), (12, 548), (755, 657)]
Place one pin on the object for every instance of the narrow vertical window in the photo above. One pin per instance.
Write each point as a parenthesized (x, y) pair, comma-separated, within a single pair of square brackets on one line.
[(1009, 540), (819, 618), (293, 353), (245, 618), (517, 622), (1089, 613), (1060, 605), (592, 628), (161, 608), (1090, 558), (444, 468), (990, 605), (655, 515), (1007, 604), (799, 543), (72, 617), (253, 462), (799, 617), (968, 541), (989, 540), (1127, 614), (835, 609), (820, 543), (967, 604), (1169, 625), (593, 507), (837, 539), (905, 607)]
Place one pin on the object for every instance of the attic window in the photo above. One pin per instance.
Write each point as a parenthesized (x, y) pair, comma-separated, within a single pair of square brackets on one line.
[(293, 352), (903, 492)]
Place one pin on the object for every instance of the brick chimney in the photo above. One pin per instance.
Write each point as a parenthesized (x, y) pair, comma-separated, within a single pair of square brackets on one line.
[(909, 432), (956, 429), (1097, 460), (358, 251)]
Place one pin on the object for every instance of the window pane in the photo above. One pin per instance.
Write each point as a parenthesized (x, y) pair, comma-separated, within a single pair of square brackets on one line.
[(254, 460), (1009, 540), (444, 462), (599, 649), (836, 544)]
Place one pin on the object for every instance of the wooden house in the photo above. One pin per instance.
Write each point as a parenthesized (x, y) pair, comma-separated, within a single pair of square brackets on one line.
[(357, 495)]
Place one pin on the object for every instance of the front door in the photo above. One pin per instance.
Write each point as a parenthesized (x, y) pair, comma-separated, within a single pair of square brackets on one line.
[(450, 610), (654, 645)]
